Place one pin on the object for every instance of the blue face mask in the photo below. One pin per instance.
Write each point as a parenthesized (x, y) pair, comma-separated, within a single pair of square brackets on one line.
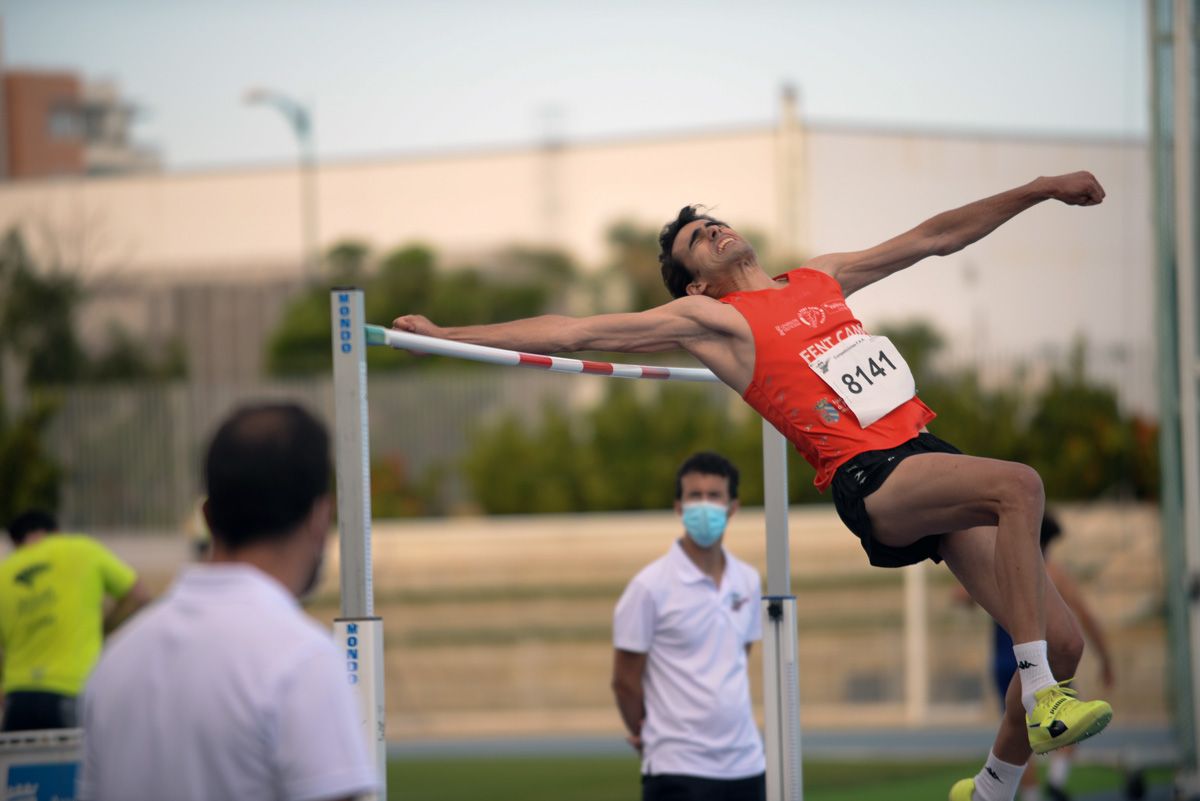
[(704, 522)]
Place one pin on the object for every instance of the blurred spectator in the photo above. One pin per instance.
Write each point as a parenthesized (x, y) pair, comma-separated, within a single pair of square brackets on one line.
[(53, 589), (226, 689), (682, 633)]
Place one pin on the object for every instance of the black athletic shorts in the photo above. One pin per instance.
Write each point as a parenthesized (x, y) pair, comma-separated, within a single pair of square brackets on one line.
[(30, 710), (865, 473), (676, 787)]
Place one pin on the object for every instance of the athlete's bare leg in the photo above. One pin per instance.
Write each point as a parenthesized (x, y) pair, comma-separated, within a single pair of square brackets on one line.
[(932, 493), (970, 555)]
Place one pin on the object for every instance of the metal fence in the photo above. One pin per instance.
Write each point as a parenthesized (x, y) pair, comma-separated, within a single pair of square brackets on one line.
[(131, 455)]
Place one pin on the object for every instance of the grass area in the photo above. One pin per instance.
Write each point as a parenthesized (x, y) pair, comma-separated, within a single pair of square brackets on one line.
[(616, 779)]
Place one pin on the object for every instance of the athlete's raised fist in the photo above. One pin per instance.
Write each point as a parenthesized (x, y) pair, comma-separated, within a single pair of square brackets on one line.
[(1075, 189)]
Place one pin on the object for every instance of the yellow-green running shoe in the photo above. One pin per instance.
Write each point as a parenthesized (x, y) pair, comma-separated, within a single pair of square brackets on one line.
[(1059, 718), (963, 790)]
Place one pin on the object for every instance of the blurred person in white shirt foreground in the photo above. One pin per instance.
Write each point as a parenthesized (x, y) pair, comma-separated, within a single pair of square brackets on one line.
[(224, 688)]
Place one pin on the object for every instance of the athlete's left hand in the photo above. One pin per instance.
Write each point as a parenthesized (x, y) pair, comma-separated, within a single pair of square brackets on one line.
[(1075, 189)]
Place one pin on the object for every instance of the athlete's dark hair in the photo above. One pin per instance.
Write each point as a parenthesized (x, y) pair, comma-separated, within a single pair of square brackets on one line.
[(29, 522), (1051, 530), (675, 276), (266, 467), (710, 464)]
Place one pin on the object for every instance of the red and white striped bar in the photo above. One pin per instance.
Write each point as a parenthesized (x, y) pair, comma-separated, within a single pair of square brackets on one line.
[(378, 335)]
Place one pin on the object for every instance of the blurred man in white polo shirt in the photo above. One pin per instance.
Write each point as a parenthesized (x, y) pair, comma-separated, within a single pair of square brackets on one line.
[(682, 633), (225, 689)]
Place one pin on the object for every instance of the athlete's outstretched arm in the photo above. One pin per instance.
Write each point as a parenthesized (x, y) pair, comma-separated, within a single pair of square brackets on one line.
[(953, 230), (667, 327)]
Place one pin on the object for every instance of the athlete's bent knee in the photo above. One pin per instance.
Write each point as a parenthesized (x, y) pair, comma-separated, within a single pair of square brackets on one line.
[(1021, 489)]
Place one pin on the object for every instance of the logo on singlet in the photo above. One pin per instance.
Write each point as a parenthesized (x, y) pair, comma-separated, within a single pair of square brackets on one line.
[(786, 325), (812, 316), (829, 412)]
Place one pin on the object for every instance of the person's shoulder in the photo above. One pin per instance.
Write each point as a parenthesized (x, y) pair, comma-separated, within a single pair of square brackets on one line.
[(657, 568), (689, 306), (700, 308), (11, 558), (278, 632), (814, 271), (125, 648), (653, 576), (307, 650), (298, 637), (78, 543)]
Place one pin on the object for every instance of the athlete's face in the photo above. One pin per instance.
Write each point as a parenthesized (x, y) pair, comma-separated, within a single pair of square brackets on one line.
[(708, 248)]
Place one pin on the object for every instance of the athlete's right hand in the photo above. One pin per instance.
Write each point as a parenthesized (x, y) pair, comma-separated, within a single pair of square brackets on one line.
[(416, 324), (1076, 189)]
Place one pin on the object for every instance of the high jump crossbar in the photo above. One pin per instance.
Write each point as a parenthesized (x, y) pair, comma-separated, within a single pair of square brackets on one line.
[(378, 335), (360, 633)]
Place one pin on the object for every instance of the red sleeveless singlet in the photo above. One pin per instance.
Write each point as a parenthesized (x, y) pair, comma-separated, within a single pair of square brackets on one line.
[(792, 326)]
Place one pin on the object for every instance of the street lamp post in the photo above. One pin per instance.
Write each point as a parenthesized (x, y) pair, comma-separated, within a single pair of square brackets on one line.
[(300, 118)]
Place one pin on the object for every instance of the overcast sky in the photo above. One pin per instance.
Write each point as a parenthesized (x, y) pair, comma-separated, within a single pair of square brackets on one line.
[(395, 76)]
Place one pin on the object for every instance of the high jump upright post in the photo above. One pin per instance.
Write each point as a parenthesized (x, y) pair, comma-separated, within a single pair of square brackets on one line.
[(358, 631), (781, 673), (781, 690)]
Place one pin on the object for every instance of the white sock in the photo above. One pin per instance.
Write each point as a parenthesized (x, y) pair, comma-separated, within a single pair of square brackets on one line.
[(1034, 668), (1059, 770), (998, 781), (1031, 794)]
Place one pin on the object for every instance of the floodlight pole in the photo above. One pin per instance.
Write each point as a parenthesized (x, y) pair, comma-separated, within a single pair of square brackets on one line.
[(299, 117), (1187, 266)]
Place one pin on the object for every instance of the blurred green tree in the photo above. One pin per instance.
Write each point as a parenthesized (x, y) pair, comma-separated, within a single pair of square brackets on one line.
[(635, 258), (37, 317), (395, 493), (128, 359), (623, 453), (39, 347), (29, 477), (520, 282), (1078, 439), (620, 455), (39, 310)]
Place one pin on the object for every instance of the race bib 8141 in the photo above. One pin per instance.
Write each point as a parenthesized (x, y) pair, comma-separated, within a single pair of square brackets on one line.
[(869, 374)]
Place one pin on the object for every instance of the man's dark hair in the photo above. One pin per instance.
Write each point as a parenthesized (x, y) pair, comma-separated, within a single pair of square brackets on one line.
[(1051, 530), (710, 464), (30, 522), (266, 467), (675, 275)]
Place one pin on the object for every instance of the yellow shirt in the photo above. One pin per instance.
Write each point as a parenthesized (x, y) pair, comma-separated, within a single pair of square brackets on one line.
[(52, 611)]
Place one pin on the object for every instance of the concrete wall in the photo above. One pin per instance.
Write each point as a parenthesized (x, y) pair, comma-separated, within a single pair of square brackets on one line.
[(502, 625)]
